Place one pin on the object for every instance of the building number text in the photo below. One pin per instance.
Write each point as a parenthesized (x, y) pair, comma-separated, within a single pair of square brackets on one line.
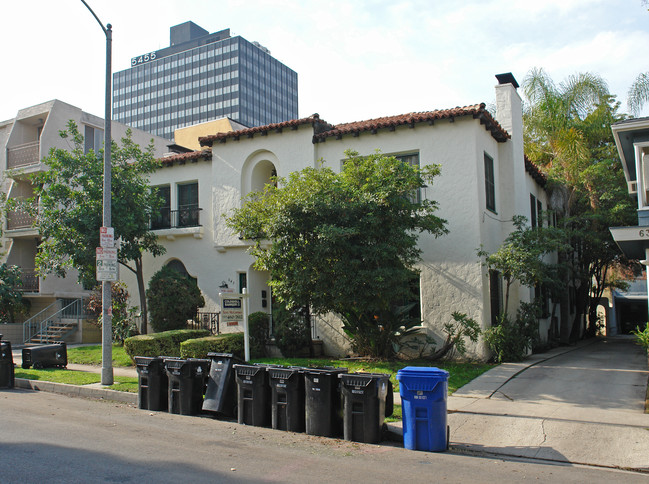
[(143, 58)]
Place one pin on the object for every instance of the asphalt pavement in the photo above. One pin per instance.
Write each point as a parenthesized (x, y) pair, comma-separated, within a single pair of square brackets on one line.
[(583, 405), (580, 404)]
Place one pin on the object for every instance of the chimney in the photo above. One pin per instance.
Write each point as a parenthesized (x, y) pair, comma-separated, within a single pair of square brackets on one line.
[(509, 107)]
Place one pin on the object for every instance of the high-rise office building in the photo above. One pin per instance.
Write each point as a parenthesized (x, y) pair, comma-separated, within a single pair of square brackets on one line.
[(201, 77)]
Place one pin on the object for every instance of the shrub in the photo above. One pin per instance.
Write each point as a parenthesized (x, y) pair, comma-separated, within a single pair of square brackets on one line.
[(642, 337), (380, 334), (512, 340), (123, 321), (11, 295), (292, 331), (173, 299), (456, 331), (258, 327), (160, 344), (225, 343)]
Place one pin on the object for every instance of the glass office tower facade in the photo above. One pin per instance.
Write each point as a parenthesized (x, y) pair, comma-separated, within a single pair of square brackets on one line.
[(201, 77)]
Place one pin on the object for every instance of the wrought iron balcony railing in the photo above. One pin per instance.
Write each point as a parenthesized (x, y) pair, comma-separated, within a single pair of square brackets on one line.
[(173, 219)]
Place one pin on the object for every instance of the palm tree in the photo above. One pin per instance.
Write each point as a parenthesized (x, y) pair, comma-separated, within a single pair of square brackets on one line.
[(567, 129), (561, 122), (638, 93)]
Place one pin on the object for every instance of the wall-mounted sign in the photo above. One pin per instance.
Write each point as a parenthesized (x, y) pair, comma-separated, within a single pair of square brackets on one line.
[(141, 59)]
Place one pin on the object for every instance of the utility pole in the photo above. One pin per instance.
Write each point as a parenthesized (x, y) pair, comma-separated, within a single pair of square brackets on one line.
[(106, 295)]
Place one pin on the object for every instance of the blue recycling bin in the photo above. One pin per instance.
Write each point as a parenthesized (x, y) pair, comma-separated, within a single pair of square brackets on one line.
[(424, 393)]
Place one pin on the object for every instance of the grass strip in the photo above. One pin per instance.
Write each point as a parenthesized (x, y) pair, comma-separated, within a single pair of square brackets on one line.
[(91, 355), (459, 373), (72, 377)]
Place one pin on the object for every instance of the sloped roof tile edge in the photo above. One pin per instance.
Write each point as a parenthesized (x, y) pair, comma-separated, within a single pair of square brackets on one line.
[(184, 157), (324, 130), (477, 111), (313, 120), (535, 172)]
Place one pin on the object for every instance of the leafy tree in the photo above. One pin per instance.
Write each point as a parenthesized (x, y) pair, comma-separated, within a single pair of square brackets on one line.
[(11, 296), (69, 196), (568, 133), (173, 299), (521, 256), (343, 242)]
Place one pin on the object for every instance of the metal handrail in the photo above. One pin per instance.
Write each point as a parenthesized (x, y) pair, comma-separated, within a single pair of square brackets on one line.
[(74, 310), (36, 317)]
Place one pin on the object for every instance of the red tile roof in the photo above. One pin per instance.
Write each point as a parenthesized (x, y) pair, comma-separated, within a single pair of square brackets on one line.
[(477, 111), (182, 158), (536, 173), (324, 130), (313, 120)]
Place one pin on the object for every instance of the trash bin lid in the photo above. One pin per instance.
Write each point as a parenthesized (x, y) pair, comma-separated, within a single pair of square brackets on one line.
[(325, 370), (361, 379), (422, 372), (283, 372), (220, 355)]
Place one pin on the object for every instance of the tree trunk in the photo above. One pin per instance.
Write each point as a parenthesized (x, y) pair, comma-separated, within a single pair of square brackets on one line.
[(139, 273)]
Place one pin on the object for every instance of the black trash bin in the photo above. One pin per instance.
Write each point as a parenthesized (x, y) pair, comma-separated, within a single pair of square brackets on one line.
[(153, 383), (253, 391), (221, 393), (364, 401), (7, 379), (323, 401), (46, 356), (186, 384), (287, 398)]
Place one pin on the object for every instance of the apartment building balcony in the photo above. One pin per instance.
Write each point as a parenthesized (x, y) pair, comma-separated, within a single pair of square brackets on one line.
[(19, 220), (30, 281), (175, 219), (172, 223), (26, 154)]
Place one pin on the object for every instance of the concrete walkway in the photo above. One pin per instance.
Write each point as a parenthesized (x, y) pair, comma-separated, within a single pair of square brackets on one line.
[(581, 404)]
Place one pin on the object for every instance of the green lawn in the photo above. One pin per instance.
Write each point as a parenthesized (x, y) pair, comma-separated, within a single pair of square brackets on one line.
[(91, 355), (459, 373), (72, 377)]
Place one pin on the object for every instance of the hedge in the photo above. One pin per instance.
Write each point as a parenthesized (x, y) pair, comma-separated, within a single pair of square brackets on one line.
[(166, 343), (225, 343)]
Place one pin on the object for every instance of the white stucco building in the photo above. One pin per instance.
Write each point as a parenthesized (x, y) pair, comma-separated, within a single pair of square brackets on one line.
[(485, 180), (26, 140)]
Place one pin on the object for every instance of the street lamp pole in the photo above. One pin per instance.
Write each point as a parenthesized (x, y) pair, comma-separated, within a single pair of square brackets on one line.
[(106, 295)]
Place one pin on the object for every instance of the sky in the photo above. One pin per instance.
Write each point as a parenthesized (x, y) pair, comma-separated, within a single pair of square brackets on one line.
[(355, 59)]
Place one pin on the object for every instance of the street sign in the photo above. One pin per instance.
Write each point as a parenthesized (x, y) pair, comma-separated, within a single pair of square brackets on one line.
[(107, 266), (107, 237)]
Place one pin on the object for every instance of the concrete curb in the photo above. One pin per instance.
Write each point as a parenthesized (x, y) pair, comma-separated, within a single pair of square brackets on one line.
[(88, 391)]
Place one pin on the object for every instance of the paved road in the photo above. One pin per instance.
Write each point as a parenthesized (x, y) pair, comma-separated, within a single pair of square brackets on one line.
[(583, 404), (53, 438)]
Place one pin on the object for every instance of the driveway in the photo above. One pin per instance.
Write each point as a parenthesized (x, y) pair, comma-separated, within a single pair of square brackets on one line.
[(582, 404)]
